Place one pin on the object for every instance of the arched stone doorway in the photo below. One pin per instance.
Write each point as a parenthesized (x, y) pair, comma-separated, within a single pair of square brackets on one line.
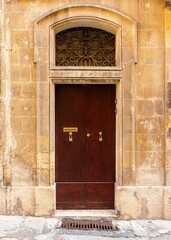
[(50, 75)]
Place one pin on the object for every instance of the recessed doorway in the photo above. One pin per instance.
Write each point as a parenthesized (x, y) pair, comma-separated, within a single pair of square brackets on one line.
[(85, 146)]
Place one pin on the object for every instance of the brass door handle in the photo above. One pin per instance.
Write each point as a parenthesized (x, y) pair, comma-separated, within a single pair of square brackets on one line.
[(70, 137), (100, 137), (88, 135)]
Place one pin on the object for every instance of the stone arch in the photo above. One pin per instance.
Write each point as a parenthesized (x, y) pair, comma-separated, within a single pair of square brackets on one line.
[(73, 15)]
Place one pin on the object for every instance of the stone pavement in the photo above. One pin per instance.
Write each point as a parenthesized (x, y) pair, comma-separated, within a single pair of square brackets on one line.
[(34, 228)]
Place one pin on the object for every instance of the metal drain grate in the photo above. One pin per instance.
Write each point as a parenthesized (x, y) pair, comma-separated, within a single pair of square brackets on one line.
[(100, 225)]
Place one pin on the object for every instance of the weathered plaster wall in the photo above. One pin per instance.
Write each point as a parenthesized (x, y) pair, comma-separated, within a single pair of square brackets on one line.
[(143, 164)]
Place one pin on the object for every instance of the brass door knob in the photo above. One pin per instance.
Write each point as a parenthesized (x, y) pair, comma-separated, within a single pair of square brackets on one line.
[(88, 135)]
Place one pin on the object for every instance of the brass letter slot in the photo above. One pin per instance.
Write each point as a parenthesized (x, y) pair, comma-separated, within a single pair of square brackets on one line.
[(70, 129)]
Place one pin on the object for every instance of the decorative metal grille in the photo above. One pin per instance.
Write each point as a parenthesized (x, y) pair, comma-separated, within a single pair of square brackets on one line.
[(85, 46)]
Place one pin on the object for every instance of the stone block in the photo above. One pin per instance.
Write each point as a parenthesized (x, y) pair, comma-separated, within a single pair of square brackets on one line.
[(29, 90), (150, 125), (20, 38), (43, 141), (43, 39), (25, 56), (16, 124), (150, 108), (149, 73), (127, 39), (150, 90), (2, 201), (168, 34), (127, 94), (127, 107), (150, 176), (24, 22), (23, 143), (25, 164), (44, 53), (127, 54), (143, 39), (168, 159), (150, 142), (168, 55), (126, 197), (44, 107), (28, 125), (150, 159), (128, 178), (168, 176), (127, 159), (43, 71), (151, 21), (167, 203), (158, 107), (150, 202), (127, 124), (144, 108), (22, 107), (150, 38), (16, 90), (44, 200), (44, 176), (44, 94), (20, 74), (21, 200), (127, 142), (150, 55)]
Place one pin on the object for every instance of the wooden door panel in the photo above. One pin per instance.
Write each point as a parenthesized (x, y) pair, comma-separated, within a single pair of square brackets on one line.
[(70, 195), (100, 117), (108, 118), (94, 169), (70, 102), (100, 195)]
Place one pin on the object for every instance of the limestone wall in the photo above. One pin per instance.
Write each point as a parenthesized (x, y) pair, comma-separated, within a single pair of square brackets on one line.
[(143, 173)]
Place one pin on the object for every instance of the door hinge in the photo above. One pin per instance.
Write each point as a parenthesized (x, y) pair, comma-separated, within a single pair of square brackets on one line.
[(115, 106)]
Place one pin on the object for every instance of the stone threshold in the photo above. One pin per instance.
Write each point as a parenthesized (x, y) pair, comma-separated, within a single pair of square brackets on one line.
[(87, 213)]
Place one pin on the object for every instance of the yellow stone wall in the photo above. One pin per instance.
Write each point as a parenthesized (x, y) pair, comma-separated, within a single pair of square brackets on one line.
[(143, 169)]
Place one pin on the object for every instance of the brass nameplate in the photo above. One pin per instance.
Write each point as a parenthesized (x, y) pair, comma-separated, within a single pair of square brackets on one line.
[(70, 129)]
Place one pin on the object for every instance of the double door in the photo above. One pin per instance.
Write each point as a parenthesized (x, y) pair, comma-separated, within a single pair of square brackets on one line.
[(85, 146)]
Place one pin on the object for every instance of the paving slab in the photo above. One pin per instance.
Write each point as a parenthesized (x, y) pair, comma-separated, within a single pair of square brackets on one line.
[(35, 228), (9, 223), (138, 229), (163, 226), (51, 223), (33, 224)]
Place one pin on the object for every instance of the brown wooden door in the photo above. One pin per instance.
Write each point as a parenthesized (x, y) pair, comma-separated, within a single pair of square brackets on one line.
[(85, 166)]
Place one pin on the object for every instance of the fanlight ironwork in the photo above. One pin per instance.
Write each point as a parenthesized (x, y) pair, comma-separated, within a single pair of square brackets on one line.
[(85, 46)]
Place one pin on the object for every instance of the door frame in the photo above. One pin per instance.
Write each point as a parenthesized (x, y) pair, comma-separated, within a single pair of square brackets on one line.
[(118, 128)]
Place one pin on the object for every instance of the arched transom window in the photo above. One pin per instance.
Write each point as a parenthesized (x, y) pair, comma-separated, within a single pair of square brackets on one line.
[(85, 46)]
